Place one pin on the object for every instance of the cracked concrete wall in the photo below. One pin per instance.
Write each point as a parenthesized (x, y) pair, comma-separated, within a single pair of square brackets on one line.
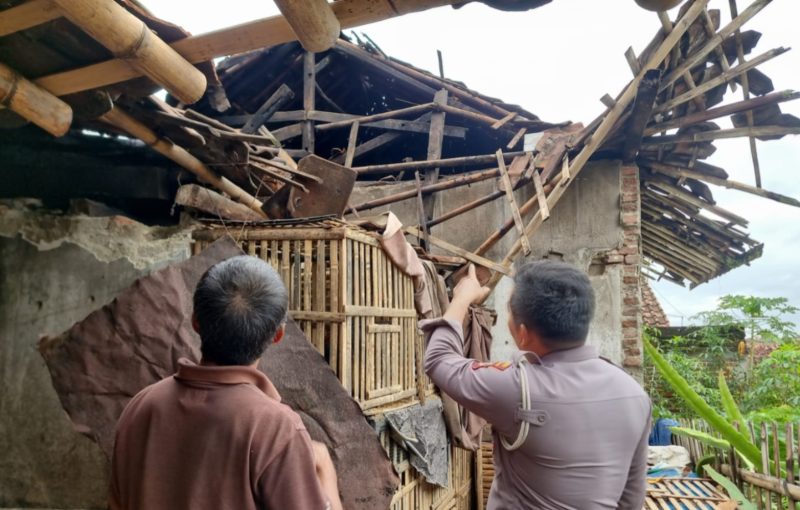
[(55, 270), (583, 227)]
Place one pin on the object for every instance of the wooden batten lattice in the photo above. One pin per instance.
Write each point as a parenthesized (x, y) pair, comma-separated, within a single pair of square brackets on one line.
[(350, 301)]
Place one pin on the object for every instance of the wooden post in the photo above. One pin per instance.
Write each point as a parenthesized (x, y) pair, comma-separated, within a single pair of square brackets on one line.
[(312, 21), (512, 203), (309, 96), (33, 103), (422, 218), (129, 39), (351, 145), (130, 125), (435, 139)]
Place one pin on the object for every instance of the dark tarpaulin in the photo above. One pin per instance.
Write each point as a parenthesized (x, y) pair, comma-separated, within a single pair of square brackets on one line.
[(100, 363)]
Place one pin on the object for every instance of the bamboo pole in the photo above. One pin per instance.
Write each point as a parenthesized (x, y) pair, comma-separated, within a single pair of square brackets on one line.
[(256, 34), (33, 103), (678, 173), (461, 180), (312, 21), (26, 15), (770, 483), (125, 122), (441, 163), (129, 39)]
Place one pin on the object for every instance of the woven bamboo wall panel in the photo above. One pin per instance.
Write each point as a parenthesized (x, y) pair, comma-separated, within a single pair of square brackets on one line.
[(354, 306)]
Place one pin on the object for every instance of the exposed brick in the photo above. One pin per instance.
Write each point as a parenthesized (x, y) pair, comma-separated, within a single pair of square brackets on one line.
[(632, 259), (629, 196), (632, 361), (630, 311), (631, 301), (630, 342), (629, 207), (630, 170), (630, 269), (630, 323), (614, 259), (629, 218), (633, 351), (629, 248), (630, 280)]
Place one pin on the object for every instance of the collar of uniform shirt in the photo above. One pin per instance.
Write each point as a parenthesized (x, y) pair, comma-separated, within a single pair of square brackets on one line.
[(581, 353), (188, 371)]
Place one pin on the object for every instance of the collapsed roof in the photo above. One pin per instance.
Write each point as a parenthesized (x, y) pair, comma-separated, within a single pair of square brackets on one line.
[(357, 106)]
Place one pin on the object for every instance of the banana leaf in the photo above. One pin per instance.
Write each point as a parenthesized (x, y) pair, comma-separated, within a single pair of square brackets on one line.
[(701, 407)]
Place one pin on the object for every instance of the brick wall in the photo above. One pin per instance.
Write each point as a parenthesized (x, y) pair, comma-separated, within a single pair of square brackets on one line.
[(628, 254)]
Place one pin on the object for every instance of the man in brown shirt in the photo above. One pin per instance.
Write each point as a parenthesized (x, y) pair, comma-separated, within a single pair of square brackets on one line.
[(570, 429), (215, 435)]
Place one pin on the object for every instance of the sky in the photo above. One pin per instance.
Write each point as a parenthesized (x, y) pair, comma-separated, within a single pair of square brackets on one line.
[(557, 61)]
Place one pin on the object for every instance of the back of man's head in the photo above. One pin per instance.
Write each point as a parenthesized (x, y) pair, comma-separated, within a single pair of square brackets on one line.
[(554, 299), (239, 304)]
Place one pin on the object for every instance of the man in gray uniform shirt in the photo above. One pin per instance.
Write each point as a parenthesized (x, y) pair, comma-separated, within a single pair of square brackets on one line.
[(570, 429)]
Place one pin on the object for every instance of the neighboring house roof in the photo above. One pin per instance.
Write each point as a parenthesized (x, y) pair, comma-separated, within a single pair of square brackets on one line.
[(652, 313)]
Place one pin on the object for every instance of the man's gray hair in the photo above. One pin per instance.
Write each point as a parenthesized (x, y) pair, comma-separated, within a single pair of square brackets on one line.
[(240, 303)]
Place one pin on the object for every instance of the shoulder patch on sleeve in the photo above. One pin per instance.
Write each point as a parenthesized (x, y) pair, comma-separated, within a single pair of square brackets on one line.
[(497, 365)]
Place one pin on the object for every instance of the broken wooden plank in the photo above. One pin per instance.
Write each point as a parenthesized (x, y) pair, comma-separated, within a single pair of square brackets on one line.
[(512, 202), (461, 252), (422, 218), (351, 145), (540, 196), (517, 137), (275, 102), (505, 120), (378, 116)]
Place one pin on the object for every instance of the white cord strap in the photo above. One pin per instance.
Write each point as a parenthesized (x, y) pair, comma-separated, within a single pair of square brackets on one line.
[(525, 406)]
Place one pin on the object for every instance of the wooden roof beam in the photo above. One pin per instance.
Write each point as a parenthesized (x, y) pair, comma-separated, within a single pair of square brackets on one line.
[(130, 40), (27, 15), (313, 22), (33, 103), (249, 36)]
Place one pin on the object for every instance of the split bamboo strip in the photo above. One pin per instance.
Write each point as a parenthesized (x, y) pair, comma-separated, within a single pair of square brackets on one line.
[(378, 116), (461, 252), (33, 103), (677, 172), (719, 134), (26, 15), (461, 180), (312, 21), (256, 34), (441, 163), (723, 111), (746, 94), (130, 40), (125, 122), (599, 135)]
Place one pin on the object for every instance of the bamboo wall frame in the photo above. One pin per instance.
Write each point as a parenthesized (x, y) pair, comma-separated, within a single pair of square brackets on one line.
[(352, 303)]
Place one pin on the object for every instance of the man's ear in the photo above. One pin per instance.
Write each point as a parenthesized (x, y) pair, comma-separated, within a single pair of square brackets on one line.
[(279, 334), (195, 324)]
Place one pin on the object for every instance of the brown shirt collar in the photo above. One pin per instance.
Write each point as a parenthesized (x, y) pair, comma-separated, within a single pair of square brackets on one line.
[(191, 372)]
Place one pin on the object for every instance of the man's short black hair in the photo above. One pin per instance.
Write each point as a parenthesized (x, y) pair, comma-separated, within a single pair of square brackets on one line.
[(240, 303), (555, 299)]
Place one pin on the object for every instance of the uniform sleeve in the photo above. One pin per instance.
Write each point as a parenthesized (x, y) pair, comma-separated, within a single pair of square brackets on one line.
[(290, 480), (490, 390), (636, 487)]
